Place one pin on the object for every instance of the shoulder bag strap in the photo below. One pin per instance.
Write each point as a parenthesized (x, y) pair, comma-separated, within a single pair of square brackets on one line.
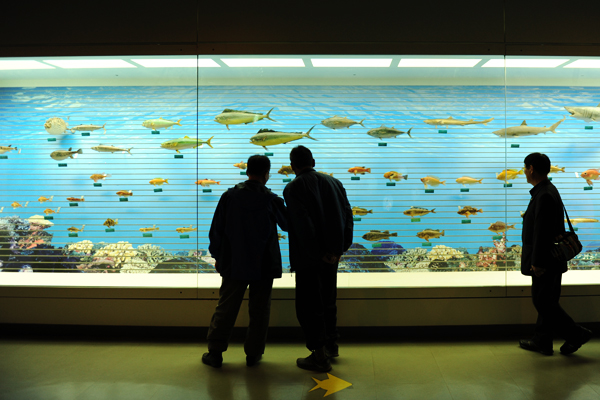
[(568, 220)]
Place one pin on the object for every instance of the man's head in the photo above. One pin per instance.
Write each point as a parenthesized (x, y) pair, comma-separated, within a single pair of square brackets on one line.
[(258, 168), (301, 158), (537, 167)]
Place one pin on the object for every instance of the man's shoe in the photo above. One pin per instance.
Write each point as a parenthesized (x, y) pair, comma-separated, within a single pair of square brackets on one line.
[(212, 358), (253, 360), (332, 350), (572, 347), (317, 361), (532, 345)]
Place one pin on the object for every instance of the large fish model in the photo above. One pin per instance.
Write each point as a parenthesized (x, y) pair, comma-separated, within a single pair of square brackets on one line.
[(336, 122), (87, 127), (60, 155), (235, 117), (526, 130), (451, 121), (499, 227), (430, 234), (509, 174), (4, 149), (467, 180), (56, 126), (587, 114), (432, 180), (589, 175), (155, 124), (105, 148), (576, 221), (385, 133), (375, 235), (418, 211), (185, 142), (158, 181), (268, 137)]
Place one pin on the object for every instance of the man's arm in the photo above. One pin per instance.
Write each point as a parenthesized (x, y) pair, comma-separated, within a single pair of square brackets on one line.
[(349, 222), (543, 230), (280, 213)]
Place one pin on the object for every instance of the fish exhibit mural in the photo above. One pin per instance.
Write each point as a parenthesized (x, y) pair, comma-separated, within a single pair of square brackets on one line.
[(268, 137), (235, 117)]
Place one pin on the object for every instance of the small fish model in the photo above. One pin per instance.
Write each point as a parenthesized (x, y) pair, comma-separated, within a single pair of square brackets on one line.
[(325, 173), (43, 199), (526, 130), (75, 199), (207, 182), (467, 180), (154, 228), (110, 222), (499, 227), (375, 235), (56, 126), (73, 229), (361, 211), (185, 143), (285, 170), (589, 175), (587, 114), (60, 155), (280, 236), (576, 221), (556, 168), (49, 211), (468, 210), (394, 176), (4, 149), (336, 122), (430, 234), (268, 137), (451, 121), (1, 209), (155, 124), (241, 165), (384, 133), (16, 205), (159, 181), (509, 174), (125, 193), (184, 229), (432, 181), (87, 127), (97, 177), (103, 148), (417, 211), (359, 170), (235, 117)]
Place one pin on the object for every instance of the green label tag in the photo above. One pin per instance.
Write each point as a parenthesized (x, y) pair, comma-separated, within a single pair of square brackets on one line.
[(356, 219), (184, 236), (156, 132), (97, 185), (123, 199), (287, 180), (147, 235), (429, 191), (415, 220), (242, 172), (589, 127), (62, 165), (466, 221), (442, 131), (73, 204), (73, 235), (514, 146), (376, 245), (157, 190), (85, 134), (52, 139), (588, 188), (3, 157), (464, 190), (575, 228), (382, 144), (390, 184), (269, 154), (508, 185), (109, 230), (206, 190), (355, 178), (498, 237), (426, 244), (550, 178), (178, 155), (48, 217)]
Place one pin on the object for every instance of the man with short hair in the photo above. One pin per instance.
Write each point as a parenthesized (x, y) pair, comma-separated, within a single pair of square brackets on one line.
[(542, 223), (244, 243), (320, 231)]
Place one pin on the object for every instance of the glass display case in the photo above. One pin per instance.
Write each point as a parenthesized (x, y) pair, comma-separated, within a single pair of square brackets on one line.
[(112, 166)]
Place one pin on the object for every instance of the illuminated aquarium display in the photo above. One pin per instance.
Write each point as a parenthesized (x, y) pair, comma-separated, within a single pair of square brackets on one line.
[(116, 164)]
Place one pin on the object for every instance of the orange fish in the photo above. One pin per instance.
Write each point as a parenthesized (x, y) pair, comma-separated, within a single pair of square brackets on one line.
[(43, 199), (125, 193), (75, 199), (590, 174), (359, 170), (241, 165), (97, 177), (159, 181), (432, 180), (49, 211), (16, 205), (393, 175), (207, 182)]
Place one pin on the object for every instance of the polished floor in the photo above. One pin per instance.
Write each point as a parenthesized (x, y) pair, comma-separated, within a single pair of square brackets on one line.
[(63, 369)]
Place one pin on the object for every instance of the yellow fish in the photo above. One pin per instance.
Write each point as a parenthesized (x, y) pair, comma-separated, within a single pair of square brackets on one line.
[(73, 229), (361, 211), (432, 180), (576, 221), (207, 182), (97, 177), (394, 176), (43, 199), (159, 181), (467, 180), (430, 234), (183, 229), (154, 228), (285, 170), (416, 211), (241, 165), (468, 210), (16, 205), (499, 227), (507, 175), (556, 168), (49, 211), (111, 222), (280, 236), (331, 385)]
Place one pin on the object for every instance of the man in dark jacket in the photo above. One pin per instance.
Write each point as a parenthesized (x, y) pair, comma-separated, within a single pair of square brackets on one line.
[(320, 231), (542, 223), (243, 241)]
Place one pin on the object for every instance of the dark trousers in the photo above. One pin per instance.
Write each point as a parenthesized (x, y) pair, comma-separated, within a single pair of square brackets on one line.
[(231, 295), (545, 291), (316, 309)]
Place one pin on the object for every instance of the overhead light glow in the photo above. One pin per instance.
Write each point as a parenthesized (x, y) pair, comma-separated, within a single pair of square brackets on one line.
[(584, 64), (77, 64), (175, 62), (23, 64), (351, 62), (438, 62), (526, 63), (263, 62)]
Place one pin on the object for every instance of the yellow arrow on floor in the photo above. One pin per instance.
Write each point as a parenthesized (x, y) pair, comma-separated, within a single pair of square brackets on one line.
[(332, 385)]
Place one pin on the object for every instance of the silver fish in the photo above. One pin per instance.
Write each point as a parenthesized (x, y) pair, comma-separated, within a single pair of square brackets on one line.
[(102, 148), (336, 122), (4, 149), (384, 132), (268, 137), (526, 130), (234, 117), (587, 114), (88, 127), (60, 155), (451, 121)]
